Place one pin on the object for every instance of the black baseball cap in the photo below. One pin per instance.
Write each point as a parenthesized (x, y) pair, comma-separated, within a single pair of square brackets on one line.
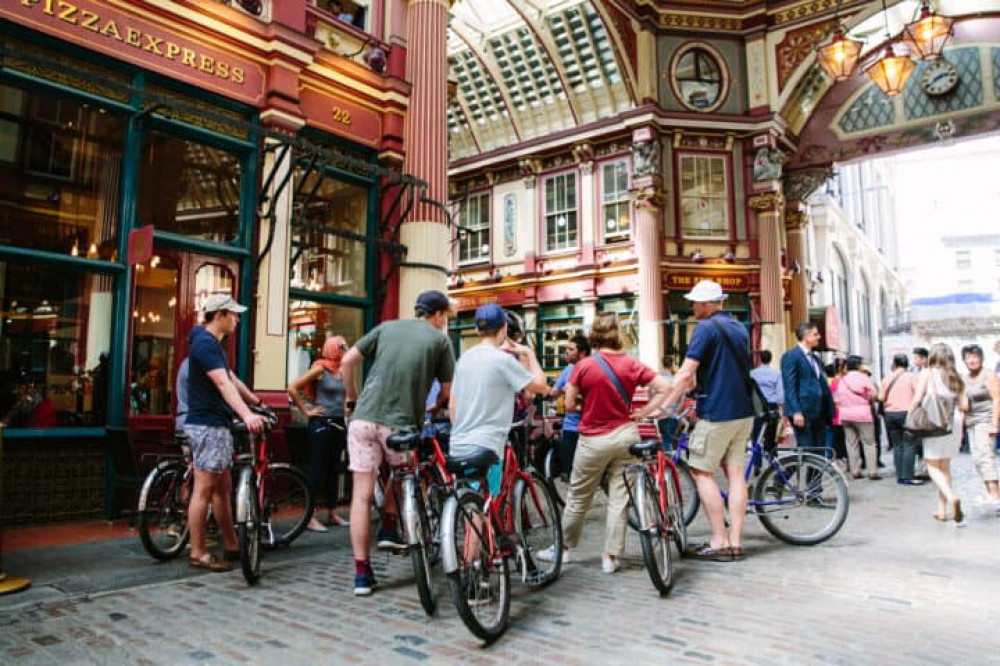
[(433, 301)]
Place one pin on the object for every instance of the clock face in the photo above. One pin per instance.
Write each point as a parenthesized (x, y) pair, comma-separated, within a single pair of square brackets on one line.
[(939, 77)]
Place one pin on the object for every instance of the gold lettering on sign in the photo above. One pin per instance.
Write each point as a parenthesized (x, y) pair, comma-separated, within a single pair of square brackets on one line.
[(342, 116), (70, 13)]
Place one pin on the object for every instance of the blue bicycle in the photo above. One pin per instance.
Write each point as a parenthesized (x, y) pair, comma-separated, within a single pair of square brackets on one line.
[(799, 497)]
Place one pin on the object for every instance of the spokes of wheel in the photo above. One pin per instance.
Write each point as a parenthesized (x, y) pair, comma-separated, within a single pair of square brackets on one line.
[(537, 522), (289, 505), (163, 526), (420, 553), (248, 532), (677, 527), (653, 535), (802, 501), (480, 586)]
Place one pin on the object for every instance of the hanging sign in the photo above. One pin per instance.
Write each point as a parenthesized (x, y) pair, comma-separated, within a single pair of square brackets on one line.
[(140, 245)]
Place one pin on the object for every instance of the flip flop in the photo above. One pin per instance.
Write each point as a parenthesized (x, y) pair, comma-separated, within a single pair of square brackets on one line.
[(707, 553), (208, 562), (941, 516), (737, 553)]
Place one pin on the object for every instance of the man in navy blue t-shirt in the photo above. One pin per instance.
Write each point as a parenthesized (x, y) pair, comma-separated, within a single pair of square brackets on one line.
[(215, 395), (725, 415)]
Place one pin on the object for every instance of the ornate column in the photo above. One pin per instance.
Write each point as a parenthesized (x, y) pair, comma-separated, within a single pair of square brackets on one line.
[(647, 198), (425, 137), (796, 219), (767, 206)]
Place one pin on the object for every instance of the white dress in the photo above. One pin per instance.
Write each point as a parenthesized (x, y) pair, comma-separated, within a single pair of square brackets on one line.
[(945, 446)]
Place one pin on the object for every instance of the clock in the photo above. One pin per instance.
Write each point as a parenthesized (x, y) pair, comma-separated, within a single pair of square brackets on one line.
[(939, 77)]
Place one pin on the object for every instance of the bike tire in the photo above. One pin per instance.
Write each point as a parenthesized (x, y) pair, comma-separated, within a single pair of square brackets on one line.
[(289, 504), (420, 552), (690, 502), (163, 511), (553, 477), (538, 522), (802, 484), (677, 523), (481, 574), (656, 551), (248, 532)]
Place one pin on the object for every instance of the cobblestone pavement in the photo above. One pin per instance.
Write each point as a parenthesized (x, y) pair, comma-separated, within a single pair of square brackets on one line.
[(894, 587)]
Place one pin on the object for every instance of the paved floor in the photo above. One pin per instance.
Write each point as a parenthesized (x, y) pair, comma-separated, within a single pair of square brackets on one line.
[(894, 587)]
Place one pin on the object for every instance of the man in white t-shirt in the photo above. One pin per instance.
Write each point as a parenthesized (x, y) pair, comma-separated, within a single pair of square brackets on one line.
[(487, 377)]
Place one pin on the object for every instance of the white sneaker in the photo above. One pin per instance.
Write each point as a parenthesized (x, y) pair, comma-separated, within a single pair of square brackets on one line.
[(549, 555), (610, 564)]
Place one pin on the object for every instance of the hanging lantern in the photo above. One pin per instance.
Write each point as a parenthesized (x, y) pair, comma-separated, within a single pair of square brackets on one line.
[(891, 72), (927, 36), (840, 57)]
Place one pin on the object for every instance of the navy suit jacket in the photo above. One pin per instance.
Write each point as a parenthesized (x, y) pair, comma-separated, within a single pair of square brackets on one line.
[(804, 391)]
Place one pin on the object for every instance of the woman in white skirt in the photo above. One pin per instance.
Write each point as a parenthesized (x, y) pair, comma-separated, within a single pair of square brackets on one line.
[(941, 378)]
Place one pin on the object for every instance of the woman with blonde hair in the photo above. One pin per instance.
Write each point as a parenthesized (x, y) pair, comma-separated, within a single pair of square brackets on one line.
[(606, 380), (940, 378), (324, 385)]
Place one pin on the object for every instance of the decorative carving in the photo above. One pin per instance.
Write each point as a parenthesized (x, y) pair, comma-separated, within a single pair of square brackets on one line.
[(509, 225), (767, 164), (701, 22), (529, 171), (645, 158), (584, 155), (801, 184), (796, 219), (805, 10), (766, 202), (702, 141), (796, 47), (648, 197)]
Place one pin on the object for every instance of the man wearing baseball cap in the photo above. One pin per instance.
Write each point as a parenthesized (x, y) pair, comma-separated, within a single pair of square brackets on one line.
[(725, 415), (214, 395), (487, 378), (406, 357)]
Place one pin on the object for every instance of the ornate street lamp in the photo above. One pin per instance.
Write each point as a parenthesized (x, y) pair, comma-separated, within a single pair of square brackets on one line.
[(927, 36), (891, 72), (840, 57)]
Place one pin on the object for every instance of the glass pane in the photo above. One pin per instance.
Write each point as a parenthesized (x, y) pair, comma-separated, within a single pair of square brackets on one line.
[(55, 337), (212, 279), (698, 78), (154, 320), (310, 324), (326, 255), (201, 198), (60, 174)]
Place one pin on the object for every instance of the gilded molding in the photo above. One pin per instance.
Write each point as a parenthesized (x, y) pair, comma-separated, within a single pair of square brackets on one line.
[(766, 202), (796, 219), (648, 198)]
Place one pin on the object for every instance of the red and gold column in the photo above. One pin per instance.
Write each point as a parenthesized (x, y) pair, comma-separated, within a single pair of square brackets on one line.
[(768, 206), (425, 137), (647, 197), (796, 218)]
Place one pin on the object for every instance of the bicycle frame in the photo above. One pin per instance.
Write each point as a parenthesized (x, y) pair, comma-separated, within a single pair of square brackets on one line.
[(256, 463), (657, 468)]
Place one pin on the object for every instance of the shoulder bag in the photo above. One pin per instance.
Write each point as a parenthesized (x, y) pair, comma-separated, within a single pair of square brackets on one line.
[(606, 367), (761, 407), (880, 405), (933, 416)]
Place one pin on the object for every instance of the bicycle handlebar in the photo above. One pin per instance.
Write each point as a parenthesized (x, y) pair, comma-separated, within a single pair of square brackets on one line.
[(270, 419)]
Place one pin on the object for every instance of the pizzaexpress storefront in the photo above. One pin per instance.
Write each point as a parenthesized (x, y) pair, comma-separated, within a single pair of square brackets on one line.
[(96, 303)]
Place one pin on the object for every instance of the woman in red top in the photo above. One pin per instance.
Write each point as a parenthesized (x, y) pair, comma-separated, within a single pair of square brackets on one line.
[(607, 429)]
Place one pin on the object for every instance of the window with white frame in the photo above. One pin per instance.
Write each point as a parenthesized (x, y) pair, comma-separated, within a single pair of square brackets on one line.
[(474, 238), (561, 227), (963, 259), (615, 201), (704, 196)]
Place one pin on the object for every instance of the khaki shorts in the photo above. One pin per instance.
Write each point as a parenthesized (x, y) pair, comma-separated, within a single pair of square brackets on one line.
[(719, 443), (366, 446)]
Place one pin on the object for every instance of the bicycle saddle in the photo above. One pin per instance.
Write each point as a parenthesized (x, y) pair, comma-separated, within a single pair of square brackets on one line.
[(404, 441), (476, 463), (643, 448)]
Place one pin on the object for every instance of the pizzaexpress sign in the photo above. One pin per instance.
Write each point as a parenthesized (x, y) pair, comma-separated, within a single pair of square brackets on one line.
[(114, 31)]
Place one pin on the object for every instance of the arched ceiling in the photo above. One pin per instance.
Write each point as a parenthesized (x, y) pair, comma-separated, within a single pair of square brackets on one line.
[(528, 68)]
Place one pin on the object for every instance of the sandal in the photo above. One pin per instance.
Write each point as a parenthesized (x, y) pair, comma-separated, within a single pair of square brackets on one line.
[(956, 510), (737, 553), (706, 552), (208, 562), (338, 520), (943, 517)]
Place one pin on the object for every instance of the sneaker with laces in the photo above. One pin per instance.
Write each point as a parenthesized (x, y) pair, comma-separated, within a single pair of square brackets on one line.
[(549, 555), (390, 540), (364, 583), (610, 564)]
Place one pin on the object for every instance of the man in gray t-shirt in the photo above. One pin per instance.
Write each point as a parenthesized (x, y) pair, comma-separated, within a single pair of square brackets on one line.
[(487, 378)]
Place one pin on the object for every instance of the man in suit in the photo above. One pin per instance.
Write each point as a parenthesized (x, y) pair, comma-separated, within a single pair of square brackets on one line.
[(807, 395)]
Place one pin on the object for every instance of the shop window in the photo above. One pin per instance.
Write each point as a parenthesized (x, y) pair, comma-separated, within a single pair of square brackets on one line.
[(561, 226), (310, 324), (704, 197), (329, 225), (557, 324), (55, 341), (154, 320), (60, 174), (628, 320), (615, 201), (201, 198), (462, 331), (474, 239)]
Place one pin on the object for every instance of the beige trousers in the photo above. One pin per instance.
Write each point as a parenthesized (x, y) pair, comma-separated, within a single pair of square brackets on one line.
[(593, 456), (857, 433)]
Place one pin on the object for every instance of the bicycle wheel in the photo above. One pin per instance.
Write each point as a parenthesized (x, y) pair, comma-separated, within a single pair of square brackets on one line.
[(653, 536), (803, 501), (689, 492), (536, 520), (420, 547), (480, 586), (248, 532), (163, 511), (676, 523), (289, 504), (554, 477)]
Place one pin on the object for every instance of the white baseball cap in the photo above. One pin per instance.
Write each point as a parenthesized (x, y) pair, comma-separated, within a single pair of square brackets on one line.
[(217, 302), (706, 291)]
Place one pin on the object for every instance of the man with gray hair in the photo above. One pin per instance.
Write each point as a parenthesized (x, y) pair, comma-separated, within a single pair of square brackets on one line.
[(715, 367)]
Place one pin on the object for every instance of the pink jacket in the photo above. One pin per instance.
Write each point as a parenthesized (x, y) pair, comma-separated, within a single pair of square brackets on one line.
[(853, 397)]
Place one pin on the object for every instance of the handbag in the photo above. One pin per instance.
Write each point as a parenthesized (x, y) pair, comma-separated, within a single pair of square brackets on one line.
[(761, 407), (933, 416)]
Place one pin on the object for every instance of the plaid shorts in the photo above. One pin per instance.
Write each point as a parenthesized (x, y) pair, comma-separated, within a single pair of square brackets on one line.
[(211, 447)]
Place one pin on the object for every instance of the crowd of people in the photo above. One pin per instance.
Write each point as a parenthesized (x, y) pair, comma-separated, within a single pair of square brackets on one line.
[(837, 409)]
